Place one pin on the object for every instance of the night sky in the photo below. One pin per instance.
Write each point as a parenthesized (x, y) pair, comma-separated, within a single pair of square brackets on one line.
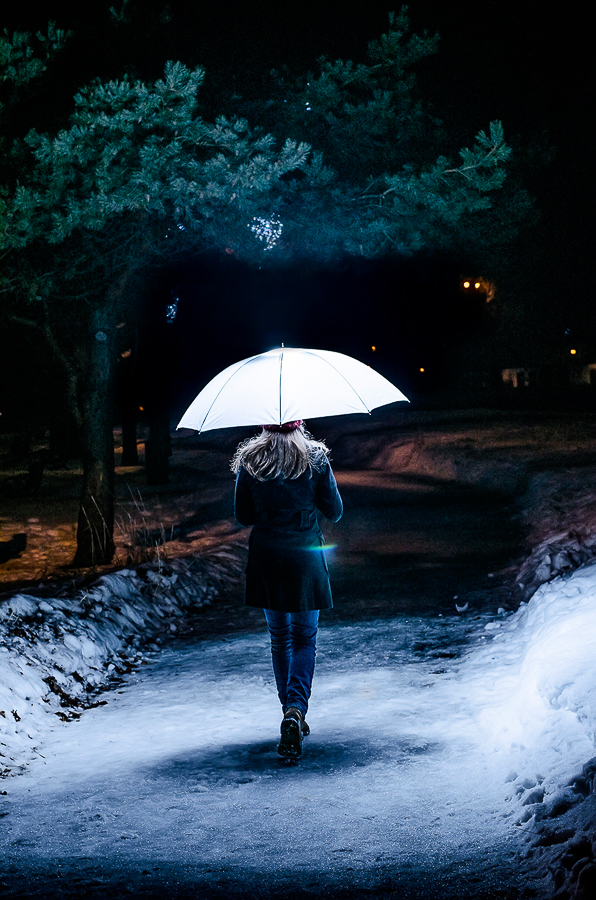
[(527, 64)]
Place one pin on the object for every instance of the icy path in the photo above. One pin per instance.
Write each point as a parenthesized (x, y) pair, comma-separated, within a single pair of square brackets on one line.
[(176, 784)]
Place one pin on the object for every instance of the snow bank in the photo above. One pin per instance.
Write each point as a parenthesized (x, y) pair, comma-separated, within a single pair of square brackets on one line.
[(535, 689), (57, 653), (542, 664)]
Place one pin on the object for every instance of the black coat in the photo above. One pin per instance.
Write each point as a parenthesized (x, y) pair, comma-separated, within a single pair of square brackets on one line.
[(287, 569)]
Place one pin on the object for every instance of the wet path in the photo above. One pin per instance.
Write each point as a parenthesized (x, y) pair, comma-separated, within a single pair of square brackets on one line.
[(412, 544), (175, 788), (406, 545)]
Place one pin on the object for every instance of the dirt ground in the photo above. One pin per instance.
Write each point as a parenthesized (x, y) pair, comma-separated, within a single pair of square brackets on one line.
[(189, 514), (436, 498)]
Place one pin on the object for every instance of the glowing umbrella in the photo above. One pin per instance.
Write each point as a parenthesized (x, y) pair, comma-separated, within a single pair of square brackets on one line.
[(287, 384)]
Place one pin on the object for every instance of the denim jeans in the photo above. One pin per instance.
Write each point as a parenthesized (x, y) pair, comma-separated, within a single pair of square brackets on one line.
[(293, 647)]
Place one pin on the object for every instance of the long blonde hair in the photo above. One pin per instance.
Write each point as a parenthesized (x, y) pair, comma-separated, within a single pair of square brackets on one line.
[(273, 453)]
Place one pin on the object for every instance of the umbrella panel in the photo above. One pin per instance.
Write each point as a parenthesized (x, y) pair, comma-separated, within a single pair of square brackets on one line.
[(287, 384)]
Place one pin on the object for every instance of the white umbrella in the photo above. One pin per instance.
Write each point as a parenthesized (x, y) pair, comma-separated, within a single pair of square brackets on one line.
[(287, 384)]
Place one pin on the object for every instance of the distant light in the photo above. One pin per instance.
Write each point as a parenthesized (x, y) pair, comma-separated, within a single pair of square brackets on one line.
[(466, 284), (573, 352), (422, 369), (477, 285), (126, 354), (171, 310), (373, 348), (142, 408)]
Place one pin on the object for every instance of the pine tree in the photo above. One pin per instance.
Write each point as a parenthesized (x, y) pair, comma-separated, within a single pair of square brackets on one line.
[(139, 177), (136, 177), (383, 179)]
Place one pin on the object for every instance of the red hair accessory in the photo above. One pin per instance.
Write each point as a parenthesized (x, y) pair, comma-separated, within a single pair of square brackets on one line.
[(287, 426)]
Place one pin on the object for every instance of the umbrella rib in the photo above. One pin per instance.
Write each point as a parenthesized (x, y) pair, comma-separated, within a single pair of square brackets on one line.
[(281, 361), (324, 359), (222, 387), (352, 388)]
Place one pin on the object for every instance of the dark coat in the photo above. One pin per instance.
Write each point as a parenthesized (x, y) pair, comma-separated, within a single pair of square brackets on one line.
[(287, 569)]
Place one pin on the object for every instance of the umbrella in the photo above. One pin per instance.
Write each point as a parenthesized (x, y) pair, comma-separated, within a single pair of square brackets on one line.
[(287, 384)]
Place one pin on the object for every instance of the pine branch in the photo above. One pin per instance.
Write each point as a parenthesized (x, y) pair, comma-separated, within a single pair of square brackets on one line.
[(18, 62)]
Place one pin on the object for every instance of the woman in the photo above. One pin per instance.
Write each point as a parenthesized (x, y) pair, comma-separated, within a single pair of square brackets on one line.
[(282, 477)]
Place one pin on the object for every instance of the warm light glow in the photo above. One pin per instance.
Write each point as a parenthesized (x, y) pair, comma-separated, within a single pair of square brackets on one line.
[(142, 408), (373, 348), (482, 285), (573, 352), (422, 369)]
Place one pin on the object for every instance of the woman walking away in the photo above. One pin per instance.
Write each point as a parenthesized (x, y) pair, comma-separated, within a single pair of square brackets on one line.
[(282, 477)]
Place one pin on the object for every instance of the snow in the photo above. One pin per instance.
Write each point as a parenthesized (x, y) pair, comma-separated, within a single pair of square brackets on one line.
[(55, 653), (439, 744), (535, 682)]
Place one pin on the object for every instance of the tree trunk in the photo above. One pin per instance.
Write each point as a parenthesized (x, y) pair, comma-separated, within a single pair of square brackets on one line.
[(127, 390), (130, 455), (65, 420), (20, 446), (95, 542), (158, 448)]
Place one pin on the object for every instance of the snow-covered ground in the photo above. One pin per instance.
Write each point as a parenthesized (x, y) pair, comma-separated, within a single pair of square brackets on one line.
[(449, 756), (56, 653)]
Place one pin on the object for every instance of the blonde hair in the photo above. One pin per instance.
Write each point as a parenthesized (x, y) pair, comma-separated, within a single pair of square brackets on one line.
[(273, 453)]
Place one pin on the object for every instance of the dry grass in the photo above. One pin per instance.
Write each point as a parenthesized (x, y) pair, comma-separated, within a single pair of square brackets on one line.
[(140, 533)]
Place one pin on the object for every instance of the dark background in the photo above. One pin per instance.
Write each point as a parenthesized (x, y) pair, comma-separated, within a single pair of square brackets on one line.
[(527, 64)]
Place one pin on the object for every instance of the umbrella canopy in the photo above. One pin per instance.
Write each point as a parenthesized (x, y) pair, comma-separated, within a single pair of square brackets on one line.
[(286, 384)]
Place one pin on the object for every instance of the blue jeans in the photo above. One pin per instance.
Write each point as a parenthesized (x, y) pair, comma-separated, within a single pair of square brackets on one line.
[(293, 648)]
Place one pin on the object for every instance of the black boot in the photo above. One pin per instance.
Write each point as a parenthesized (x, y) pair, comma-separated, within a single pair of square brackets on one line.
[(293, 727)]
